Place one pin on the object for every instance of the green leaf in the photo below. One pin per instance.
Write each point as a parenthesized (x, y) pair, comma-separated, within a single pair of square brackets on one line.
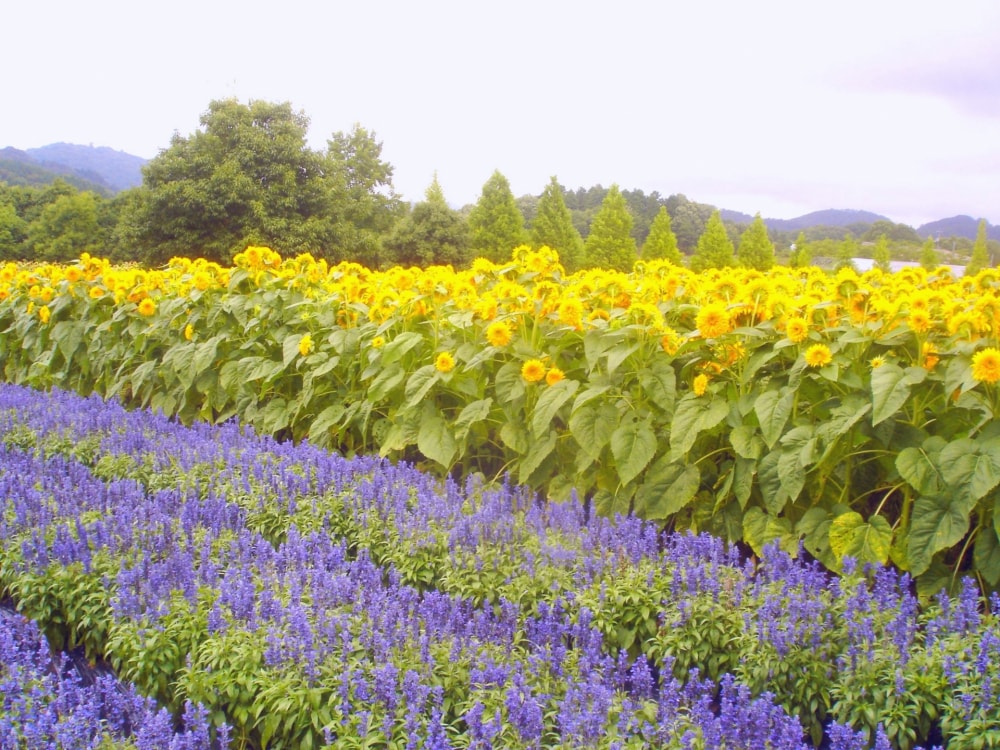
[(771, 488), (865, 541), (591, 427), (325, 420), (515, 436), (760, 529), (259, 368), (986, 555), (694, 415), (659, 382), (972, 467), (420, 384), (746, 442), (937, 523), (385, 382), (595, 344), (633, 445), (619, 354), (668, 488), (539, 451), (290, 348), (435, 439), (473, 412), (791, 473), (548, 404), (68, 335), (509, 385), (918, 467), (843, 418), (773, 408), (397, 347), (891, 389)]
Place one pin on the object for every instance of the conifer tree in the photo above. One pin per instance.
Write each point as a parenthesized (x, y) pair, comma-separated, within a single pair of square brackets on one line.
[(846, 252), (661, 242), (930, 258), (432, 233), (715, 249), (610, 243), (980, 257), (881, 254), (756, 250), (496, 225), (553, 226), (801, 255)]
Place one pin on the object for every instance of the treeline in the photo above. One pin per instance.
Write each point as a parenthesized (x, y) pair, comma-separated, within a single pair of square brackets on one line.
[(248, 177)]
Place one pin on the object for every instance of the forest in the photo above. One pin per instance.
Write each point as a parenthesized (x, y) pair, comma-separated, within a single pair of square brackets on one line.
[(248, 177)]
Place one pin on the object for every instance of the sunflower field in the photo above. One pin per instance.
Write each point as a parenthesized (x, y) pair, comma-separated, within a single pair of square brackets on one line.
[(849, 414)]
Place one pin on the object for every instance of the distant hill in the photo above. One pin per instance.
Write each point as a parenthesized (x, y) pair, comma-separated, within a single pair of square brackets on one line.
[(831, 217), (120, 171), (957, 226), (18, 168)]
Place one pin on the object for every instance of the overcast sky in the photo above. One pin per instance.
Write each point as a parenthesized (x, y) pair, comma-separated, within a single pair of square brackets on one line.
[(777, 106)]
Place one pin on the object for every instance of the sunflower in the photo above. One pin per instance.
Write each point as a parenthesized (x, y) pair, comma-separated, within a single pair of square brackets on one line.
[(554, 375), (147, 307), (498, 333), (378, 342), (986, 365), (700, 384), (797, 329), (44, 314), (533, 370), (919, 320), (713, 320), (444, 362), (188, 332), (305, 345), (818, 355)]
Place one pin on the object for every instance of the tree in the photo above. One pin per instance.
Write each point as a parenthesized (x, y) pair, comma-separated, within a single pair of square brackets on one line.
[(610, 243), (65, 228), (801, 254), (847, 250), (980, 256), (881, 254), (496, 225), (930, 258), (553, 226), (12, 231), (756, 250), (248, 177), (363, 195), (688, 220), (715, 249), (661, 242), (432, 233)]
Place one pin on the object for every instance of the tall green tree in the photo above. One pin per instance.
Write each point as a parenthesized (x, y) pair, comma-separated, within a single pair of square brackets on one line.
[(881, 254), (756, 249), (980, 255), (661, 242), (553, 226), (930, 258), (610, 243), (65, 228), (362, 193), (800, 255), (496, 225), (12, 232), (432, 233), (847, 251), (714, 249)]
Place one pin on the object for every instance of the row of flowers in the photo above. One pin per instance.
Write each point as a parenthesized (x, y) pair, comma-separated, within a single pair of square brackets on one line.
[(302, 597), (849, 413)]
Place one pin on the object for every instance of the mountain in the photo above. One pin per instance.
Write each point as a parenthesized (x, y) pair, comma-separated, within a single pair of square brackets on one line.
[(957, 226), (19, 168), (120, 171), (831, 217)]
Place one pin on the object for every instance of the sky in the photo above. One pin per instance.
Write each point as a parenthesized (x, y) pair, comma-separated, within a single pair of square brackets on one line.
[(777, 107)]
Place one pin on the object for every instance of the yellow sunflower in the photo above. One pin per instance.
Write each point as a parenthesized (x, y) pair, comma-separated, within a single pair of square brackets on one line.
[(147, 307), (713, 320), (986, 365), (554, 375), (818, 355), (533, 370), (444, 362)]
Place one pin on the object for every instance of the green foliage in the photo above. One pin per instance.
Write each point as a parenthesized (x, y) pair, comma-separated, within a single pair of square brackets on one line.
[(881, 254), (610, 243), (553, 227), (496, 225), (756, 249), (661, 242), (980, 258), (65, 228), (930, 258), (715, 249), (432, 233), (801, 255)]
